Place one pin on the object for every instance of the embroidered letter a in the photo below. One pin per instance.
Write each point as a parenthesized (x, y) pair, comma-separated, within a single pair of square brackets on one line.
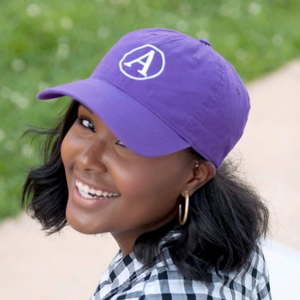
[(139, 60), (143, 63)]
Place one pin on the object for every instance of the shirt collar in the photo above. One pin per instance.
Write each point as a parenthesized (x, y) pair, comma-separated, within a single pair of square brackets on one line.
[(120, 273)]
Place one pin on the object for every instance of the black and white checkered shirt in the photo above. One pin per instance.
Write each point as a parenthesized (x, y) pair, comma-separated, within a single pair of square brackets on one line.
[(125, 278)]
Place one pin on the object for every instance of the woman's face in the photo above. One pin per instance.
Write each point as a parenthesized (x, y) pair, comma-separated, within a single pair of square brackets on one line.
[(112, 189)]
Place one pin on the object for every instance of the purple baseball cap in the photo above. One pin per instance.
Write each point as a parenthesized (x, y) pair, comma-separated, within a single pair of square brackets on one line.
[(160, 91)]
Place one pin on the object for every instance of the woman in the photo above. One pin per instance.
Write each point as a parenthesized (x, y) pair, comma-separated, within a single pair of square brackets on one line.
[(139, 153)]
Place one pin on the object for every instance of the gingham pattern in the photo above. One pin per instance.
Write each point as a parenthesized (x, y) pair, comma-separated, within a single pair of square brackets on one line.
[(126, 279)]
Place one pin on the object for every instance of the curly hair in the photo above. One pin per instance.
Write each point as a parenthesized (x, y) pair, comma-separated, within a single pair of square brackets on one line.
[(226, 215)]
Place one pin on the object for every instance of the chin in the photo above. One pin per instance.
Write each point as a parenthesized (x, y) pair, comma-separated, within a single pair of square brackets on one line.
[(82, 227), (80, 223)]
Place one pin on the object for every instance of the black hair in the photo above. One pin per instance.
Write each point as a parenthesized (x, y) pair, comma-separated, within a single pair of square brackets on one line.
[(225, 221), (45, 192), (226, 216)]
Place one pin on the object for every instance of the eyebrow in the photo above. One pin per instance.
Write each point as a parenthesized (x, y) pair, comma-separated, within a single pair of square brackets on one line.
[(86, 108)]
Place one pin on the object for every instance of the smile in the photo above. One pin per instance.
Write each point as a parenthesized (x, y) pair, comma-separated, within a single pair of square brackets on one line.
[(90, 193)]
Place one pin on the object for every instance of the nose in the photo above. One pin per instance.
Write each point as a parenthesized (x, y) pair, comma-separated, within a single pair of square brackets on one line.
[(92, 156)]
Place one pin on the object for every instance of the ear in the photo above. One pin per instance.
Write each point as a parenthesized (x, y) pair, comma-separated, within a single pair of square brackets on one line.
[(203, 172)]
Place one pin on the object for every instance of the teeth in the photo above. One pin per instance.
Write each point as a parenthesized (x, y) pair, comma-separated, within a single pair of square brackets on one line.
[(89, 193), (85, 188)]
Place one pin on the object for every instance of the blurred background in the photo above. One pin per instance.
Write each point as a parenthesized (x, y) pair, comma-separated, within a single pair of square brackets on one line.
[(45, 43)]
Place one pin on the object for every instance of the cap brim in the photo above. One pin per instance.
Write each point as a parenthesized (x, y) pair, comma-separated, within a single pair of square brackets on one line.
[(135, 125)]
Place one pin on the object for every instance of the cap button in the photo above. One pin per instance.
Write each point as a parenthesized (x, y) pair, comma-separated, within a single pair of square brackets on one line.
[(206, 42)]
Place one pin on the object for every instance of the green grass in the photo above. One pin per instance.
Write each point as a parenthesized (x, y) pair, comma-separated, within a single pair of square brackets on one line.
[(45, 43)]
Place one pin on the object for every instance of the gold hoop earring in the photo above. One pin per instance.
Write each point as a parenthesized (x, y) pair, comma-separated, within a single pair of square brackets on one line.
[(186, 209)]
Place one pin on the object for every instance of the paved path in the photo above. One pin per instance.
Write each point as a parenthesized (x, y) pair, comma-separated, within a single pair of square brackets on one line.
[(68, 266), (271, 148)]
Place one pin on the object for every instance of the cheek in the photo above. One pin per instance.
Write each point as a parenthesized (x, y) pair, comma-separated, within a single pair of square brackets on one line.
[(149, 185), (68, 148), (68, 154)]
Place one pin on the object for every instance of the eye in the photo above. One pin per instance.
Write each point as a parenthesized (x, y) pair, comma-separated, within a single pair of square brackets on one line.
[(119, 143), (86, 123)]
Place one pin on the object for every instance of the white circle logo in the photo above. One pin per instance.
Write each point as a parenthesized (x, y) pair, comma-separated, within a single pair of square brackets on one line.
[(143, 63)]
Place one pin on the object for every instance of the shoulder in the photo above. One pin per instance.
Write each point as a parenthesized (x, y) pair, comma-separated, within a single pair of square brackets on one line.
[(250, 283), (258, 274), (166, 282)]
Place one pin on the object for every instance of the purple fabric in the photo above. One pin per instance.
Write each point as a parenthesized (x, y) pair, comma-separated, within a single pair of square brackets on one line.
[(160, 91)]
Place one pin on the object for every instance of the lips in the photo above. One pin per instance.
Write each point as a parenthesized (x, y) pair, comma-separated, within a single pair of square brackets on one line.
[(88, 192)]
